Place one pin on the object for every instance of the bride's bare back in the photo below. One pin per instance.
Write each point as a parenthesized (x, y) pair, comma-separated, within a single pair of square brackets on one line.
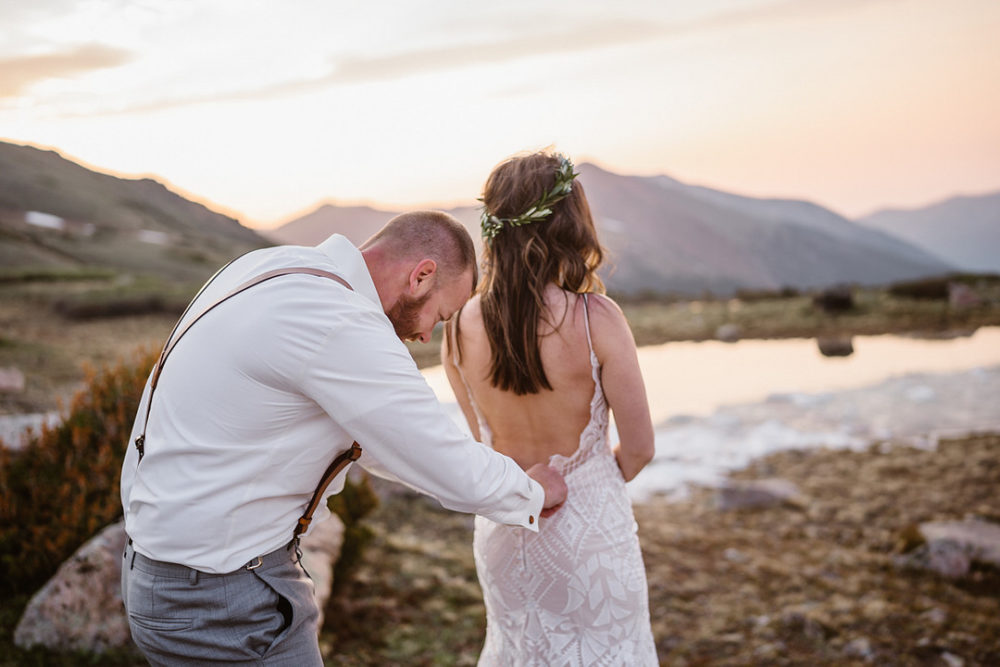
[(533, 427)]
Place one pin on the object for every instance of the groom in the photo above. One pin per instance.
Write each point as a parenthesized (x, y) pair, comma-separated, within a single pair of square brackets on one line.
[(258, 397)]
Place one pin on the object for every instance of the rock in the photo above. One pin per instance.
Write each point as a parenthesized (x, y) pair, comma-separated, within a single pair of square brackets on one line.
[(835, 346), (961, 296), (805, 624), (935, 616), (768, 652), (952, 660), (980, 538), (729, 333), (740, 494), (860, 648), (950, 547), (320, 550), (945, 557), (735, 556), (11, 380), (80, 607)]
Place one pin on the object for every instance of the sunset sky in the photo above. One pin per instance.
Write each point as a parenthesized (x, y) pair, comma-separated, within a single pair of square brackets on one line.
[(265, 109)]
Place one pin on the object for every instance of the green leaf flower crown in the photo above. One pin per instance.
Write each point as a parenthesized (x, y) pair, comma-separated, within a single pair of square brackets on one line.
[(541, 209)]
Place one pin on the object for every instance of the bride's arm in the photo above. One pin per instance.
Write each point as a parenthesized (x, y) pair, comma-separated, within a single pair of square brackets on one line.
[(455, 380), (623, 385)]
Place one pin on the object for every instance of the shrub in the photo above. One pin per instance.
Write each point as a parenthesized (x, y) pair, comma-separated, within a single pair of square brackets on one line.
[(752, 295), (929, 289), (62, 487), (836, 299)]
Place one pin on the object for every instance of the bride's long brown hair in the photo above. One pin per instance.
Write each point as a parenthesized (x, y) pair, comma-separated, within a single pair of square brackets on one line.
[(519, 262)]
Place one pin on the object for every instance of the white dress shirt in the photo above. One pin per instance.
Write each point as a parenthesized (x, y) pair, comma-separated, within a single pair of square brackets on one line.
[(260, 395)]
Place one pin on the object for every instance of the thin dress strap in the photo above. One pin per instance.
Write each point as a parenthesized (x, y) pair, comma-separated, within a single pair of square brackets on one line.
[(484, 432), (586, 322)]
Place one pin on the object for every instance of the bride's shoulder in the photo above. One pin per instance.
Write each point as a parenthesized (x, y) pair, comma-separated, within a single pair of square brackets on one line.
[(601, 306), (608, 325)]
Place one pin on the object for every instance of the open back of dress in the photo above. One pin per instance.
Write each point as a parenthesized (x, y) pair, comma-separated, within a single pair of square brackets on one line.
[(574, 593)]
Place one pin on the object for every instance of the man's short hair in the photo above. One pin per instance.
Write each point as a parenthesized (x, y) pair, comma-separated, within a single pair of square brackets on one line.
[(433, 235)]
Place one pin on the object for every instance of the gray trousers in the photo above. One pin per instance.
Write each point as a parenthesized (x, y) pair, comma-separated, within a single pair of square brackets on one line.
[(266, 615)]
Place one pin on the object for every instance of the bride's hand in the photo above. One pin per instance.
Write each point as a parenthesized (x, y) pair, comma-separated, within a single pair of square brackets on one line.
[(552, 483)]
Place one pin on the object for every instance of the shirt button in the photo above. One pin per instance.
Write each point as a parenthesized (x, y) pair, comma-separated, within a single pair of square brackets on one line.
[(531, 518)]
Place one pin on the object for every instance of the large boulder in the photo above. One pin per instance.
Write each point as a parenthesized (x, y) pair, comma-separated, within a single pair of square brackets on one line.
[(80, 607), (949, 548), (320, 550)]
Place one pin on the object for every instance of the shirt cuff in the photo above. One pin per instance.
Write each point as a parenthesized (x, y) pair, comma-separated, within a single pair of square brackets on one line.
[(534, 507)]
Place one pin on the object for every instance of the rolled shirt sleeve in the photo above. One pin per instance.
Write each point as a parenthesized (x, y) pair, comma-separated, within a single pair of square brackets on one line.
[(365, 379)]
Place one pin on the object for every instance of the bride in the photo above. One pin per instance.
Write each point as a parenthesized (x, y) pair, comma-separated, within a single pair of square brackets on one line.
[(536, 359)]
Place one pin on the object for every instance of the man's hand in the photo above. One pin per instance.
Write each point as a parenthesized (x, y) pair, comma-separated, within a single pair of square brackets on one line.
[(552, 483)]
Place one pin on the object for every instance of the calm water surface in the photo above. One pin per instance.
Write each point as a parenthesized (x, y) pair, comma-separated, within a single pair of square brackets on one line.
[(717, 406), (697, 378)]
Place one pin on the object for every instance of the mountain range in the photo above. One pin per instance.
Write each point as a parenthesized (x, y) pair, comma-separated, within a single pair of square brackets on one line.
[(662, 235), (964, 230)]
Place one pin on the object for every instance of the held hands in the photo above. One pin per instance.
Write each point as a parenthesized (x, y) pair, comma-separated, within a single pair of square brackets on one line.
[(552, 483)]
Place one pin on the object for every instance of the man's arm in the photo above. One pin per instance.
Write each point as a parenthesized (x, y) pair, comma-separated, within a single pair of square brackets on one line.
[(365, 379)]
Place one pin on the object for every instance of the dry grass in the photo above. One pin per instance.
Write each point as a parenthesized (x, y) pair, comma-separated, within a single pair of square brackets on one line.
[(781, 586)]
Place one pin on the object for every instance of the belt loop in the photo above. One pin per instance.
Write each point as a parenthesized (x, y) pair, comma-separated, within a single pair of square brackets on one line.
[(193, 577), (131, 564)]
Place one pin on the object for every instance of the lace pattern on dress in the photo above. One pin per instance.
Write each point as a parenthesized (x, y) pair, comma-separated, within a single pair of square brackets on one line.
[(575, 593)]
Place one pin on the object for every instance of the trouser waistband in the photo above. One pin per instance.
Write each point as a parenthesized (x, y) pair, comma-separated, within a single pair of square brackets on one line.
[(279, 556)]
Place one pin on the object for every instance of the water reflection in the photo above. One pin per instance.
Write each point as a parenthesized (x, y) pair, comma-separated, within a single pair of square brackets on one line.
[(719, 405), (697, 378), (689, 378)]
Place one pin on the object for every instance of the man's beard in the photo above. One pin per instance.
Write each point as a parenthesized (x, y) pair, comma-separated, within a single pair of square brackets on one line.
[(405, 315)]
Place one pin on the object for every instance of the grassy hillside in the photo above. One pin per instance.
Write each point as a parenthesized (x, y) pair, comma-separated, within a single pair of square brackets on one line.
[(56, 215)]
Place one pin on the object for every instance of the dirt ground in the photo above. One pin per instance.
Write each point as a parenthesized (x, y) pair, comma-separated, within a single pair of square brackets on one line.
[(808, 584)]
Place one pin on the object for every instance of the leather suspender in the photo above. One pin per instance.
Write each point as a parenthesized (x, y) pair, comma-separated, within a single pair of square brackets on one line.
[(338, 464)]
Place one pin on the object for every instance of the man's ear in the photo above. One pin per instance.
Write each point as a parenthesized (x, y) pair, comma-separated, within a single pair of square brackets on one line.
[(422, 277)]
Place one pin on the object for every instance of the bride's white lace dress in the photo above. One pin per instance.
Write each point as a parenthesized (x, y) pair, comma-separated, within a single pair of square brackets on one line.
[(574, 593)]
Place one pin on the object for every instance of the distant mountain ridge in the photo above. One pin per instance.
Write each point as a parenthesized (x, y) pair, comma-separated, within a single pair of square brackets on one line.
[(963, 230), (56, 213), (666, 236), (662, 235)]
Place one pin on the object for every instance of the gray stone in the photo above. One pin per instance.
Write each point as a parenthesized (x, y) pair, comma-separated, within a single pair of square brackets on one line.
[(759, 493), (962, 296), (935, 616), (980, 538), (860, 648), (952, 660), (729, 333), (947, 558), (835, 346), (320, 550), (80, 607), (951, 547), (11, 380)]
